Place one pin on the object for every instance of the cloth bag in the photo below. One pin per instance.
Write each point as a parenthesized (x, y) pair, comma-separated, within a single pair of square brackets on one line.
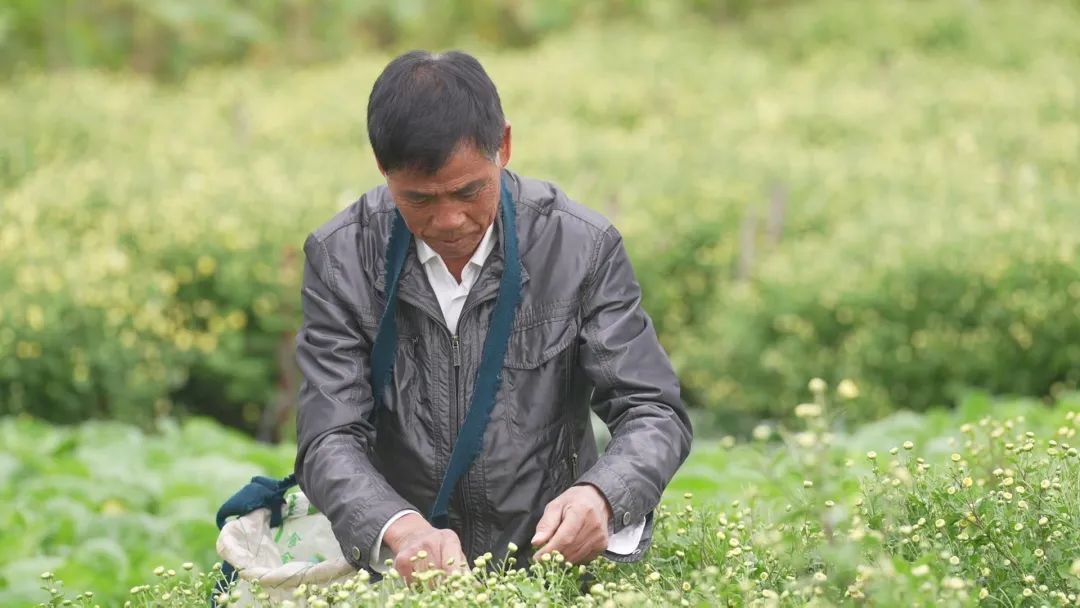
[(301, 549)]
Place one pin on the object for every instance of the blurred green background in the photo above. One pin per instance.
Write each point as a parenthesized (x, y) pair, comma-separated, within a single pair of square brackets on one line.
[(882, 191), (168, 39), (886, 191)]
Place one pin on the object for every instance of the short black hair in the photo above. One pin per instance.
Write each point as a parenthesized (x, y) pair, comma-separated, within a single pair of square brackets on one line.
[(424, 105)]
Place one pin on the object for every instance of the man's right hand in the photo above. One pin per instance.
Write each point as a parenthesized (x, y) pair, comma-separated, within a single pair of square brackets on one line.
[(412, 536)]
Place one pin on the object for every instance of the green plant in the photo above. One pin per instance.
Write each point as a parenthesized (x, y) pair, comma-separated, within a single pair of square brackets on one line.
[(914, 509)]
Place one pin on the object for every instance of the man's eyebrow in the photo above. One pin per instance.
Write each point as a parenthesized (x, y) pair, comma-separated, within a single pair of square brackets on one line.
[(415, 194), (476, 184), (473, 185)]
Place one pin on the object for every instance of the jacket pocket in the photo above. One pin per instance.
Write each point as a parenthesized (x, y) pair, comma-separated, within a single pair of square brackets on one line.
[(537, 374), (407, 395)]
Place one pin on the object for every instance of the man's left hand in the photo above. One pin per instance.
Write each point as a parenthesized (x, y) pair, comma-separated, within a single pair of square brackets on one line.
[(575, 524)]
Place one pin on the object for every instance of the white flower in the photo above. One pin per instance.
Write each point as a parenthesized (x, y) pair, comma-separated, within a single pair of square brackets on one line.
[(847, 389), (807, 410), (953, 582), (805, 439)]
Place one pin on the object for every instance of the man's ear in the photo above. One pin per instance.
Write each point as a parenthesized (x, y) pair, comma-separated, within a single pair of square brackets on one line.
[(504, 149)]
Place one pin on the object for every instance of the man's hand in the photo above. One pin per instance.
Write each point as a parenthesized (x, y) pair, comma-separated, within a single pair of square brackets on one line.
[(575, 524), (412, 536)]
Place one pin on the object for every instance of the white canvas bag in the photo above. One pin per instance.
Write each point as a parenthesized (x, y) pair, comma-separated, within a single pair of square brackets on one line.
[(302, 550)]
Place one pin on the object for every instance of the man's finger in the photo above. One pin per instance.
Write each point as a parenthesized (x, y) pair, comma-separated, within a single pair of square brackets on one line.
[(432, 558), (418, 562), (589, 545), (461, 563), (548, 523), (567, 532), (403, 567), (451, 549)]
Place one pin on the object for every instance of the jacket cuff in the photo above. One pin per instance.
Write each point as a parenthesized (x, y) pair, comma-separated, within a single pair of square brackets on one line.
[(643, 545), (364, 527), (625, 541), (379, 552), (626, 508)]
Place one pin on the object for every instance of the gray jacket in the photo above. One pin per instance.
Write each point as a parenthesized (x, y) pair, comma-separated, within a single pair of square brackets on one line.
[(580, 338)]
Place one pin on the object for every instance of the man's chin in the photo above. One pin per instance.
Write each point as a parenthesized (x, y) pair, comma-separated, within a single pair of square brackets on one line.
[(454, 250)]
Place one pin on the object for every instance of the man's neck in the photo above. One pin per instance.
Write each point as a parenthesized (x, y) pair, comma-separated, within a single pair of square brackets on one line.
[(456, 267)]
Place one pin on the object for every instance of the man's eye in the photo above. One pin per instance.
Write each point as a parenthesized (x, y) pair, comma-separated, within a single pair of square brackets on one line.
[(470, 195)]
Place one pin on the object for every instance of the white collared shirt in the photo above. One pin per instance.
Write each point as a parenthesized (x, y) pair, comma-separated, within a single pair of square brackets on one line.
[(448, 291), (452, 295)]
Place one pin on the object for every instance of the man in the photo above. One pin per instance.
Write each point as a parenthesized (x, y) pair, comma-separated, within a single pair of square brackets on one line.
[(578, 338)]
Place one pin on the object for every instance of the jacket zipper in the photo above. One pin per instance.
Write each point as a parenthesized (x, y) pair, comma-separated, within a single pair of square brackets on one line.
[(573, 468), (459, 414), (458, 409)]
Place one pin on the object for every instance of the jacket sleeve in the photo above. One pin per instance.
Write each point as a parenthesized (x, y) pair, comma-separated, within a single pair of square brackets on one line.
[(334, 438), (636, 392)]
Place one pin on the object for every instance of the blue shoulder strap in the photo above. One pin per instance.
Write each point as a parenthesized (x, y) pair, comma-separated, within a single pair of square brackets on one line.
[(470, 438), (488, 377), (384, 351)]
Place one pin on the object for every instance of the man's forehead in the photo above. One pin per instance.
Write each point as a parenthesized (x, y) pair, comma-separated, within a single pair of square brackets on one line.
[(466, 167)]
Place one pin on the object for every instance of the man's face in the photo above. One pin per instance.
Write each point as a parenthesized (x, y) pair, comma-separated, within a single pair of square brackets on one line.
[(451, 209)]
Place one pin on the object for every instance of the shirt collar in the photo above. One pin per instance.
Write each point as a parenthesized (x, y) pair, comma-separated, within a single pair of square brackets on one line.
[(425, 253)]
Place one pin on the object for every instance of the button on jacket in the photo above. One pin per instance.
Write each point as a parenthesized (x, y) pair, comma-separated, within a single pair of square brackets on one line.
[(580, 338)]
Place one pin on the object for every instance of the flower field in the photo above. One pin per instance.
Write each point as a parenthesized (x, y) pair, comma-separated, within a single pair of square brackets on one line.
[(971, 507)]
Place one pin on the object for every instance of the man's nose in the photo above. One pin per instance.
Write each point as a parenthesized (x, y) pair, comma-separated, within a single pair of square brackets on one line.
[(449, 219)]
